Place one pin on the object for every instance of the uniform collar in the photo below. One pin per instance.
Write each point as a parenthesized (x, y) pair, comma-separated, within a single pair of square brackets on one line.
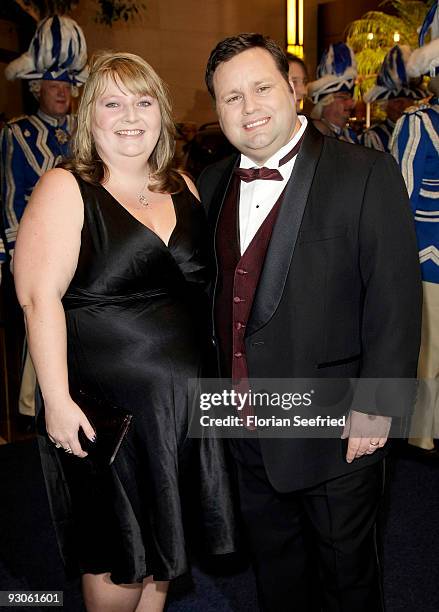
[(334, 128), (53, 121)]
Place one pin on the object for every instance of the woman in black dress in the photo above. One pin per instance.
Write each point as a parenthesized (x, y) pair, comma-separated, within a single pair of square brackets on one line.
[(110, 269)]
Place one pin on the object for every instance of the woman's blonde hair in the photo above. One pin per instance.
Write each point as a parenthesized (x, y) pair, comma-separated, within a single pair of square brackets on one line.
[(132, 72)]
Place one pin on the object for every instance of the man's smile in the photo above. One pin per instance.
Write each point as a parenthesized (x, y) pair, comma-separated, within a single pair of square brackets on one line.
[(258, 123)]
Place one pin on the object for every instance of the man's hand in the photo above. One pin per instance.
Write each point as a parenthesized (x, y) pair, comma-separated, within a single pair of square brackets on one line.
[(366, 433)]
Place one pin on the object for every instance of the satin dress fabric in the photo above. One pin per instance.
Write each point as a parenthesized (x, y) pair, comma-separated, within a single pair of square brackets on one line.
[(136, 313)]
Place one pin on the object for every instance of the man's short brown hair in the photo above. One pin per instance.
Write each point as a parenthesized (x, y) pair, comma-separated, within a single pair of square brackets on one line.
[(233, 45)]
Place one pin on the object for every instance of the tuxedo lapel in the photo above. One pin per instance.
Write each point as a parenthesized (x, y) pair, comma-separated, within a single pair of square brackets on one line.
[(284, 237), (216, 203)]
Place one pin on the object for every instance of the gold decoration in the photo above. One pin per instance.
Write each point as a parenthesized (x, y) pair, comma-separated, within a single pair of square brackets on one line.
[(61, 136)]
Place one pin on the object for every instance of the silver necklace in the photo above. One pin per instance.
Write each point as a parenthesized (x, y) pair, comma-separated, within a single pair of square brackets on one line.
[(141, 195)]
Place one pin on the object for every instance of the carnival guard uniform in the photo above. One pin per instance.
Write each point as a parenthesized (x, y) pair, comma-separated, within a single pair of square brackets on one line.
[(416, 148), (33, 144), (378, 136), (30, 146), (415, 145), (336, 74), (394, 91)]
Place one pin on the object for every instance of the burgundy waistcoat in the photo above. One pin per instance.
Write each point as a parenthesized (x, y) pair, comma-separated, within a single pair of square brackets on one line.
[(238, 278)]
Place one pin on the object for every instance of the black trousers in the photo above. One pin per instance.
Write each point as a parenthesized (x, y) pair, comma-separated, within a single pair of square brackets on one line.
[(315, 549)]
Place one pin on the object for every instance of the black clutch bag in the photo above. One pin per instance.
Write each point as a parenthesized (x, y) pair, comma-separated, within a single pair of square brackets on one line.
[(109, 422)]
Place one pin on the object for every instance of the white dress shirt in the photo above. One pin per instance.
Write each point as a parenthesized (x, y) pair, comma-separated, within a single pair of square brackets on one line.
[(258, 197)]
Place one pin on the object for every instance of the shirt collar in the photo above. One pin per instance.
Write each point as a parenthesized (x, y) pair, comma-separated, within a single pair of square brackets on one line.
[(334, 128), (53, 121), (273, 161)]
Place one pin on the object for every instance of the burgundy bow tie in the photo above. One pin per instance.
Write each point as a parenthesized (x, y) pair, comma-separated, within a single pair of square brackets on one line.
[(255, 174), (267, 174)]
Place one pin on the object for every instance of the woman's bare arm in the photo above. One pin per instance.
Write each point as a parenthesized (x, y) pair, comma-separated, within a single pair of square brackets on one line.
[(46, 257)]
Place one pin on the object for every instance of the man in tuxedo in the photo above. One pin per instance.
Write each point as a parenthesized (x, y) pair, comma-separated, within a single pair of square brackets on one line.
[(317, 277)]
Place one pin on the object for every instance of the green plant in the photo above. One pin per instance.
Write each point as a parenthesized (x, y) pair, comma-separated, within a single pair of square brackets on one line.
[(372, 36)]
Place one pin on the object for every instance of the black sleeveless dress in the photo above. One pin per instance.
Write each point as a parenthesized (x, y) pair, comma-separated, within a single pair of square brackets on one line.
[(136, 315)]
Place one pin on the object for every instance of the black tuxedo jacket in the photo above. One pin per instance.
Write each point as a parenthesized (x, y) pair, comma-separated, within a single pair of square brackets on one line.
[(340, 291)]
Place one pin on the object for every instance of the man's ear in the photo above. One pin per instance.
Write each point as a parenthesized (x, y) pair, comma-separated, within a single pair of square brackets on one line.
[(291, 84)]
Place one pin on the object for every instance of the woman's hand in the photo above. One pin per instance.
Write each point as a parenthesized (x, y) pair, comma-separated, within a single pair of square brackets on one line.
[(63, 421)]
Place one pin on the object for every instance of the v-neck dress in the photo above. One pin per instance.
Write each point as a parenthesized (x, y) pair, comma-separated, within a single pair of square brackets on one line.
[(136, 315)]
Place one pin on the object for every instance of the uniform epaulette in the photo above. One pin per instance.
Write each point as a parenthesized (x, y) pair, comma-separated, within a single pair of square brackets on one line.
[(16, 119), (415, 108)]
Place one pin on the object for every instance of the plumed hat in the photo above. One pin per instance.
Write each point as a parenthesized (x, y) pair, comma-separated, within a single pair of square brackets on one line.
[(392, 80), (57, 52), (336, 72), (425, 60)]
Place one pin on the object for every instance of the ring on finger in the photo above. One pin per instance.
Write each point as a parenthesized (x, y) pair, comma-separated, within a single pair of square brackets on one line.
[(373, 443), (68, 449), (57, 445)]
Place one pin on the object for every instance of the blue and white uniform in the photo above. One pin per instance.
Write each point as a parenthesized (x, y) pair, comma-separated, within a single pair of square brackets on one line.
[(392, 83), (29, 146), (378, 136), (415, 146)]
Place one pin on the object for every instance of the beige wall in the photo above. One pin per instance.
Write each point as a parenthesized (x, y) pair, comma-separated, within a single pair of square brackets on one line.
[(176, 38), (310, 35)]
